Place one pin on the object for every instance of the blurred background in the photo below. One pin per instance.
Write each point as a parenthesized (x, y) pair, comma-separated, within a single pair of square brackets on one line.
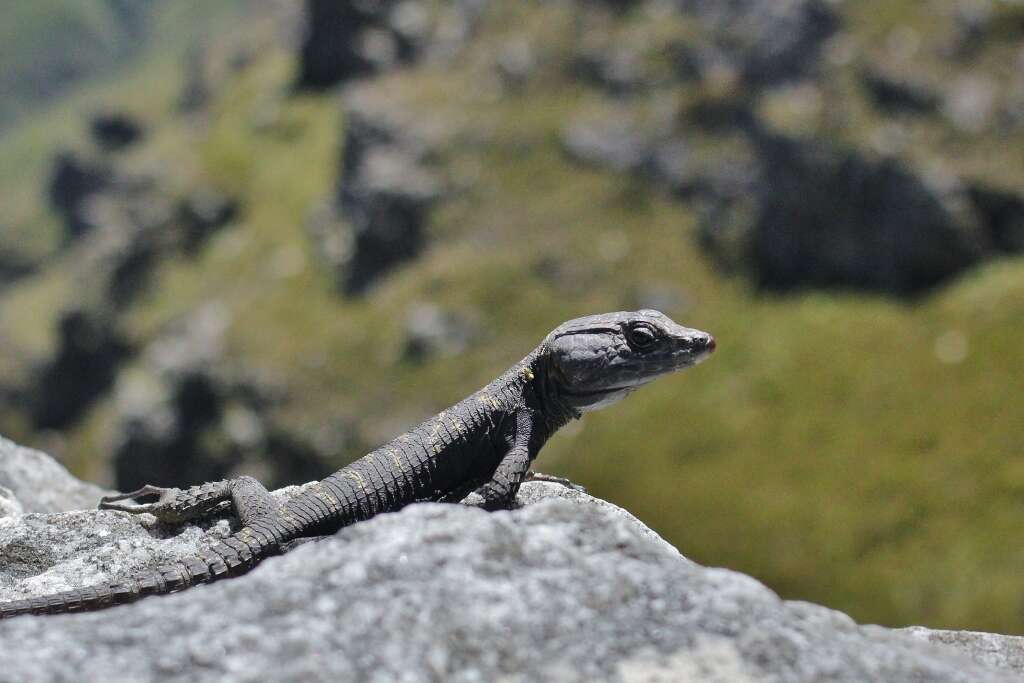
[(263, 237)]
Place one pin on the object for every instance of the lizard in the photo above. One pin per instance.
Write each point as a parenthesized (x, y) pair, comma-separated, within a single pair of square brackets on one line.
[(477, 452)]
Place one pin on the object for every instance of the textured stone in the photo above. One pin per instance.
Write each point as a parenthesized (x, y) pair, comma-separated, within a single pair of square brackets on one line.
[(621, 141), (994, 649), (566, 587), (822, 216), (348, 40), (388, 183), (767, 41), (89, 351), (895, 93), (186, 413), (38, 483), (73, 180)]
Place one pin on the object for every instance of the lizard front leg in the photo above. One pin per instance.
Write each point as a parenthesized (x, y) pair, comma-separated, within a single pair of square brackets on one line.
[(500, 490)]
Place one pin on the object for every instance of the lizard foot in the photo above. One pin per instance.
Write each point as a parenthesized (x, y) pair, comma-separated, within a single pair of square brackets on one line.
[(167, 495), (562, 481)]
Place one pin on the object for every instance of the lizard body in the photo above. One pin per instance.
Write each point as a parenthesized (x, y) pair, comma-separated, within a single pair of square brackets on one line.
[(478, 451)]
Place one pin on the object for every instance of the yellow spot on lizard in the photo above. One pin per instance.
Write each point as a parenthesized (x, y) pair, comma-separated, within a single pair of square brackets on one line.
[(357, 478), (395, 458)]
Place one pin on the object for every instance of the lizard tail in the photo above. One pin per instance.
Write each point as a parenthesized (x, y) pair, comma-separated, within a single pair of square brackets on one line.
[(229, 557)]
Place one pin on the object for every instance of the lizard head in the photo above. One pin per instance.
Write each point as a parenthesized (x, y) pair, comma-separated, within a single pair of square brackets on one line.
[(600, 359)]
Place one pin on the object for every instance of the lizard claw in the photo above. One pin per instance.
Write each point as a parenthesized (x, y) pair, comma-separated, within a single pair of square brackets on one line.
[(166, 494)]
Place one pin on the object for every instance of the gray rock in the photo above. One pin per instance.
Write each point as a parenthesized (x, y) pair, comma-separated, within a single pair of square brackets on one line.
[(1003, 213), (337, 43), (565, 587), (9, 505), (89, 351), (619, 140), (614, 142), (767, 41), (186, 413), (345, 41), (617, 69), (971, 103), (168, 407), (38, 483), (820, 216), (113, 131), (73, 179), (129, 233), (992, 649), (122, 224), (898, 93), (388, 184), (516, 62)]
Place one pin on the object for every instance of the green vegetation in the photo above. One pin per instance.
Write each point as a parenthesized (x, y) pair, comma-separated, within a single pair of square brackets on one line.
[(855, 451)]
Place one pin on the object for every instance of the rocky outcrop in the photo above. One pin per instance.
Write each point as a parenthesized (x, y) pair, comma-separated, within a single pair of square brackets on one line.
[(346, 40), (801, 212), (1003, 213), (113, 131), (131, 221), (73, 180), (119, 225), (900, 94), (565, 587), (388, 182), (795, 210), (185, 412), (89, 351), (36, 483), (621, 141), (827, 217), (765, 41), (1004, 652)]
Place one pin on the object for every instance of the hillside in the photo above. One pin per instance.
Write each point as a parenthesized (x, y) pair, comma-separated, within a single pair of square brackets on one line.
[(275, 277)]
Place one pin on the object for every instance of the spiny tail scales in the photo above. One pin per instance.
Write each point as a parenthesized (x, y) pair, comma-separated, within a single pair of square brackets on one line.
[(230, 557)]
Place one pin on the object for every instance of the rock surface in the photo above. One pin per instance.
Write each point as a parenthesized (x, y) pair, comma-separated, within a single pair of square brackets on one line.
[(1006, 652), (89, 351), (186, 412), (566, 587), (387, 187), (41, 484), (344, 41), (829, 217)]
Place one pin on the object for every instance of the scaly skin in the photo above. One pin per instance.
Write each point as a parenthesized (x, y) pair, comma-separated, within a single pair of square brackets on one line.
[(482, 446)]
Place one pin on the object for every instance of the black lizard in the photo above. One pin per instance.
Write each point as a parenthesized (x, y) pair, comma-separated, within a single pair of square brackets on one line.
[(478, 451)]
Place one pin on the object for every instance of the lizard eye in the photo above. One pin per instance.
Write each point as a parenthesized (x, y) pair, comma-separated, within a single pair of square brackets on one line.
[(642, 336)]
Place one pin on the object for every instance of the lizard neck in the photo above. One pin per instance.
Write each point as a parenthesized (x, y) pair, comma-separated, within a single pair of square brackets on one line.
[(541, 395), (528, 386)]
